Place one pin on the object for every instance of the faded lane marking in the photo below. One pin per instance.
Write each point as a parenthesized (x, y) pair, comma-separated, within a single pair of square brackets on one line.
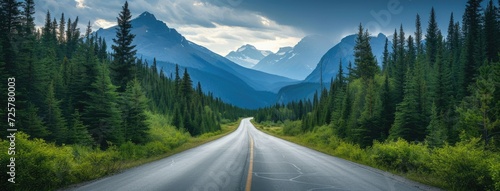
[(250, 166)]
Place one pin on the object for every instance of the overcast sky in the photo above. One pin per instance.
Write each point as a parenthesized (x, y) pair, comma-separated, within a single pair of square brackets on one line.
[(225, 25)]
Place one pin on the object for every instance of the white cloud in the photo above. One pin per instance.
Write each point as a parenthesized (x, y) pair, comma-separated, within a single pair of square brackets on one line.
[(223, 39), (81, 4), (221, 29), (101, 23)]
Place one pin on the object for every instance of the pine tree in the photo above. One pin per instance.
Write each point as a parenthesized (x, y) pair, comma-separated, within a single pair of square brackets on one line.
[(78, 132), (352, 72), (62, 23), (72, 37), (437, 131), (418, 35), (124, 53), (133, 112), (406, 124), (385, 59), (101, 112), (177, 81), (10, 23), (363, 56), (472, 46), (369, 121), (34, 124), (411, 53), (450, 39), (53, 117), (441, 82), (388, 108), (187, 86), (491, 30), (432, 38)]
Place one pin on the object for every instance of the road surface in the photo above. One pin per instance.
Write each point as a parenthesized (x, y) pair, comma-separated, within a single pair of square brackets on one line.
[(248, 159)]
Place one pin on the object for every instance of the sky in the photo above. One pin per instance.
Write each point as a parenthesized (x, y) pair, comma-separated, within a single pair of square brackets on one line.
[(225, 25)]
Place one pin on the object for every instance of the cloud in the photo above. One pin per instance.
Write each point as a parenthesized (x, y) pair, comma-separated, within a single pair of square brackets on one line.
[(219, 28), (101, 23), (223, 38), (81, 4)]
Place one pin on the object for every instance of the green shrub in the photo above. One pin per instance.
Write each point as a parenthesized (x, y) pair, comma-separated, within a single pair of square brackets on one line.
[(155, 148), (292, 128), (463, 166), (351, 152), (40, 165), (401, 155), (495, 173), (131, 151)]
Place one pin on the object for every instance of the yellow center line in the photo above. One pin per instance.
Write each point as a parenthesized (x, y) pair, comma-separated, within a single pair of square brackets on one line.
[(250, 167)]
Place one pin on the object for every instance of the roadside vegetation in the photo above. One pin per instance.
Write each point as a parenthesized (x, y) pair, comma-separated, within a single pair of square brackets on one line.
[(41, 165), (84, 113), (431, 111)]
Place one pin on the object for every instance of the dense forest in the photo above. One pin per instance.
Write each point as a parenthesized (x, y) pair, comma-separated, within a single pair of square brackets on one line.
[(83, 108), (69, 90), (443, 90), (82, 112), (435, 90)]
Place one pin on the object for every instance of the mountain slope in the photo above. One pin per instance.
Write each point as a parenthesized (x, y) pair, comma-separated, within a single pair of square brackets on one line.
[(344, 51), (217, 74), (247, 55), (329, 63), (296, 62)]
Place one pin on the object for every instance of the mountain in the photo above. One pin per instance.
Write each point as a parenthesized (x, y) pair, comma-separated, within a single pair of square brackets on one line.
[(247, 55), (329, 64), (296, 62), (231, 82), (344, 51)]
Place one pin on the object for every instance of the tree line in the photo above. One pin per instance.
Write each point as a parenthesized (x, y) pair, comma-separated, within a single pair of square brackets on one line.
[(440, 91), (70, 90)]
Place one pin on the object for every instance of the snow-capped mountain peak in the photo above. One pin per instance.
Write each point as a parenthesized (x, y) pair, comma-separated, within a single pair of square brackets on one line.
[(296, 62), (247, 55)]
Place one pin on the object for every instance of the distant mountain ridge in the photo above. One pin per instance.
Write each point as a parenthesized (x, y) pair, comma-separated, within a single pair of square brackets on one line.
[(247, 55), (329, 65), (231, 82), (296, 62)]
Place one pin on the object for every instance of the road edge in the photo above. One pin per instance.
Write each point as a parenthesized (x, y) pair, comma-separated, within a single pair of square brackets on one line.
[(387, 174)]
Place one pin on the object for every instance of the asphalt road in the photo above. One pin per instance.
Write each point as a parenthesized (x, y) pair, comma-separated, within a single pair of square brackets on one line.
[(248, 159)]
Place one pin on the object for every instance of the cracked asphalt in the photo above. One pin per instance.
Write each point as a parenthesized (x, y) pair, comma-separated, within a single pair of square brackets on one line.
[(272, 163)]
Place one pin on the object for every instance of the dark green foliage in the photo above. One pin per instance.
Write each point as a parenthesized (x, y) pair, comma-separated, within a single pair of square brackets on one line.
[(10, 17), (134, 104), (418, 35), (431, 105), (35, 126), (388, 108), (385, 59), (366, 66), (432, 38), (441, 80), (406, 124), (369, 121), (101, 111), (65, 93), (436, 131), (53, 117), (473, 46), (78, 132), (124, 53), (491, 32)]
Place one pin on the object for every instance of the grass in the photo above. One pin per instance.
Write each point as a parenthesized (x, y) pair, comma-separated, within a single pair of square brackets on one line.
[(42, 165), (192, 142)]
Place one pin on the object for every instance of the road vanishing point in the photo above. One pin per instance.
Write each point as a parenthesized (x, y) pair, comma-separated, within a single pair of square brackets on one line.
[(248, 159)]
